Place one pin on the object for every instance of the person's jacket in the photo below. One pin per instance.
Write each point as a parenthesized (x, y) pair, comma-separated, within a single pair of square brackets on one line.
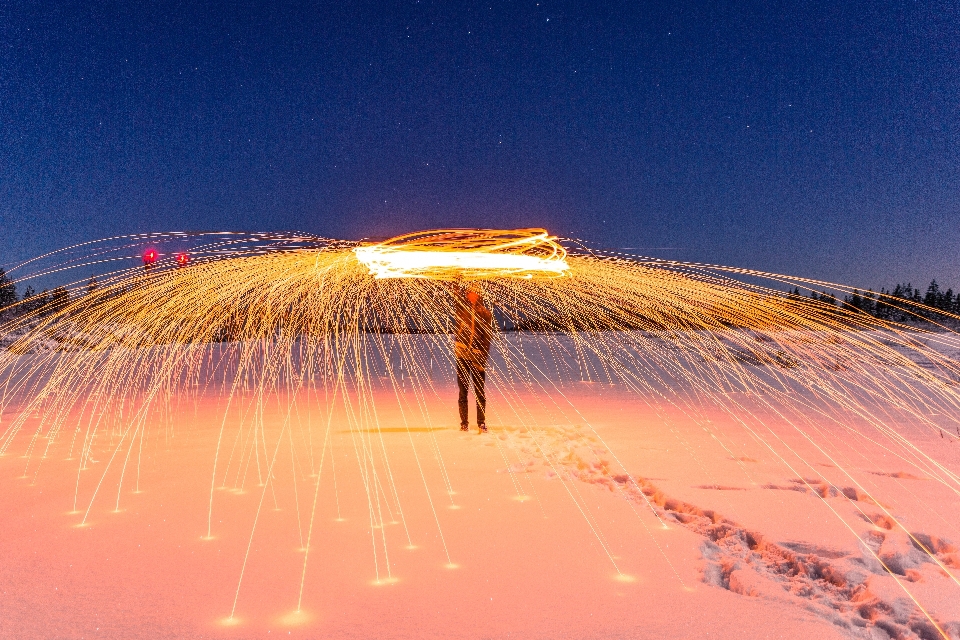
[(472, 332)]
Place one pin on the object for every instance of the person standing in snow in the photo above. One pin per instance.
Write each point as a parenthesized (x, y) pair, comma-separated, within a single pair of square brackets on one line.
[(472, 333)]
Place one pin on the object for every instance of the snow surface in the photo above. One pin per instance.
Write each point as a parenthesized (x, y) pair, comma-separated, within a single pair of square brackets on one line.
[(602, 515)]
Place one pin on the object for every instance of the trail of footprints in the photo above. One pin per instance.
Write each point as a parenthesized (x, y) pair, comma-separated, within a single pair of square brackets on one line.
[(853, 591)]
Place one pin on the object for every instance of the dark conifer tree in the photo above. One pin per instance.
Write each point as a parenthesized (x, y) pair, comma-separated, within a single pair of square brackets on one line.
[(881, 308), (868, 302), (92, 296), (42, 301), (854, 301), (892, 309), (930, 299), (8, 290), (59, 298), (28, 302)]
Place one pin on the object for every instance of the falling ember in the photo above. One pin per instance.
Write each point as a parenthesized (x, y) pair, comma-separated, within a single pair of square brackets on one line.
[(466, 253)]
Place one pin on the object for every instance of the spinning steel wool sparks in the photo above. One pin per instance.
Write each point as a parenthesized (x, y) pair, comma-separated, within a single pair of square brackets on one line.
[(266, 318), (466, 253)]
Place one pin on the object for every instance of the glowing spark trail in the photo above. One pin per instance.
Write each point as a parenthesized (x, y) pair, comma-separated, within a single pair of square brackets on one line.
[(270, 318), (466, 253)]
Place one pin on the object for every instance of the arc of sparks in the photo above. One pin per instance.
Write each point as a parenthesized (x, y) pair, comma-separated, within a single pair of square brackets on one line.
[(466, 253)]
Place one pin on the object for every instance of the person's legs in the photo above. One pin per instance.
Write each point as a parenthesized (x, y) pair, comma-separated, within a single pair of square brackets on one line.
[(479, 378), (463, 381)]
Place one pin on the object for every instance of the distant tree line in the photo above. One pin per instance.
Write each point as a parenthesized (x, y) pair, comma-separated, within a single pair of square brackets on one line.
[(45, 301), (899, 304)]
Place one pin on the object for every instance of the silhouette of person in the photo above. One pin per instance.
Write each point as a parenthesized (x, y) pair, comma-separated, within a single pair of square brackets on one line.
[(472, 333)]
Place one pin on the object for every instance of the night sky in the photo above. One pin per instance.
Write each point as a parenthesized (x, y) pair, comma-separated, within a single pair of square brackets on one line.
[(815, 139)]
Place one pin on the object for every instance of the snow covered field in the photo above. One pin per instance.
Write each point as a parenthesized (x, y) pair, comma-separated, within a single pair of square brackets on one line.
[(601, 514)]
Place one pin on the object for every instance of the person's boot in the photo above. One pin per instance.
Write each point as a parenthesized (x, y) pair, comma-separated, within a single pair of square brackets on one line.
[(483, 427), (464, 427)]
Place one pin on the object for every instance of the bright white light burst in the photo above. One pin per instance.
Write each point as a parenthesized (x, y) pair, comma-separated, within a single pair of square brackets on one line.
[(466, 253)]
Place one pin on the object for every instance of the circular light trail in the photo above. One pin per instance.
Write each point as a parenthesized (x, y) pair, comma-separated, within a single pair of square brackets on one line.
[(449, 254)]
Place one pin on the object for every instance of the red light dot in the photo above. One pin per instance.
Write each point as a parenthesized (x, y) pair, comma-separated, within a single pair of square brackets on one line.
[(150, 256)]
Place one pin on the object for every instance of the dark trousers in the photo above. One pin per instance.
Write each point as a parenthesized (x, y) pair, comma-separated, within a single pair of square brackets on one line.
[(469, 369)]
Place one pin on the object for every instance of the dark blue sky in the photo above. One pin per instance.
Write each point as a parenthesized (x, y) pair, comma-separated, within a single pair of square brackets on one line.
[(814, 139)]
